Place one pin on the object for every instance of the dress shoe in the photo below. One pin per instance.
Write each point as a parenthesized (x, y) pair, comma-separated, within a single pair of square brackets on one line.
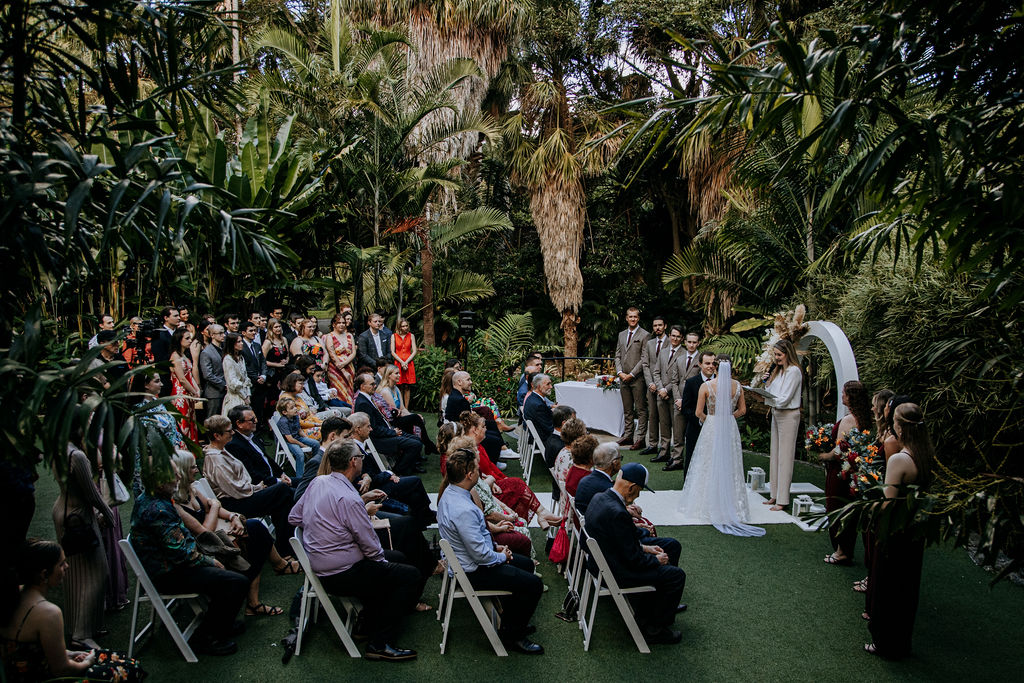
[(637, 446), (660, 458), (650, 450), (673, 466), (665, 636), (419, 469), (389, 653), (217, 648), (526, 646), (681, 607), (625, 441)]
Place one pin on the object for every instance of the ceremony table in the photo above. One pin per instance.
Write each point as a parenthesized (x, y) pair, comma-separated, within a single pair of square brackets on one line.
[(598, 408)]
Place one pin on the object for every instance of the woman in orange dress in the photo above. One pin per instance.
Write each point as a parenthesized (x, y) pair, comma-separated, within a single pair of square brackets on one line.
[(341, 351), (403, 350), (183, 384)]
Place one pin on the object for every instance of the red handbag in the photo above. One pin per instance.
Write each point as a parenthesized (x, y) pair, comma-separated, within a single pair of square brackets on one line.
[(560, 548)]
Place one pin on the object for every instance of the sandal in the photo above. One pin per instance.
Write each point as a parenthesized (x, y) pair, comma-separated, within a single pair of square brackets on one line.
[(841, 562), (861, 586), (261, 610), (290, 567), (871, 648), (423, 607), (865, 616), (776, 508), (770, 501)]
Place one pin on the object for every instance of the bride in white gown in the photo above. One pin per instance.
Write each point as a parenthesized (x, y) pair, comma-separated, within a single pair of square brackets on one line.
[(715, 491)]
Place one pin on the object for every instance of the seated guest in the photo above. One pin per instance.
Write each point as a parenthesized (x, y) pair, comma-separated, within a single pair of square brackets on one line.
[(403, 450), (572, 429), (408, 490), (534, 364), (169, 554), (346, 554), (292, 386), (333, 428), (32, 628), (229, 466), (389, 400), (492, 443), (582, 462), (536, 408), (201, 515), (607, 462), (443, 392), (294, 434), (554, 444), (488, 567), (327, 393), (634, 564), (457, 402), (310, 393)]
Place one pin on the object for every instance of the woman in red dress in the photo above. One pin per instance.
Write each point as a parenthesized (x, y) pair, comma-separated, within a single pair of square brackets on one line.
[(341, 350), (183, 383), (403, 350)]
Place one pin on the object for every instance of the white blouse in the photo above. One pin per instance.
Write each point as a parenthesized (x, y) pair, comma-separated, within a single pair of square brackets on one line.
[(786, 388)]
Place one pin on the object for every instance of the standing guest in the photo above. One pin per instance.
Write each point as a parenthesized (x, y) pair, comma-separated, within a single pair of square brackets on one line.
[(169, 554), (211, 362), (107, 341), (895, 576), (234, 487), (277, 313), (837, 488), (256, 368), (582, 462), (32, 628), (238, 390), (661, 374), (231, 322), (648, 359), (161, 345), (183, 315), (634, 564), (784, 382), (259, 320), (295, 322), (132, 354), (275, 350), (307, 344), (116, 593), (403, 350), (105, 322), (534, 364), (183, 384), (488, 567), (341, 352), (374, 343), (294, 435), (536, 408), (687, 401), (346, 554), (74, 515), (404, 450), (628, 350), (200, 340)]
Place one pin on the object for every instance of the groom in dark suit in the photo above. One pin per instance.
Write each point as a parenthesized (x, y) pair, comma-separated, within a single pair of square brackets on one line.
[(688, 406)]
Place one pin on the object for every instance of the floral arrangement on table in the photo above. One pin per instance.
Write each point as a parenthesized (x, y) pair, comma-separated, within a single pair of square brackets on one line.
[(788, 325), (862, 463), (608, 382), (818, 438)]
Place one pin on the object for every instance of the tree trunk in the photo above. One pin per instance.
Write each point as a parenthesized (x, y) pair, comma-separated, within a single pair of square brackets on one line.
[(427, 259), (569, 322)]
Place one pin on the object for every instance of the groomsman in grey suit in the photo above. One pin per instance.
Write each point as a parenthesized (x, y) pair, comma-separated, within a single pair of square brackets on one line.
[(655, 343), (211, 360), (661, 375), (628, 351)]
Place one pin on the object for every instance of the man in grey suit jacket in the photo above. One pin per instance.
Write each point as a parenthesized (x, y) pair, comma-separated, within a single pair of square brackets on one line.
[(652, 349), (687, 365), (661, 374), (211, 361), (374, 343), (628, 351)]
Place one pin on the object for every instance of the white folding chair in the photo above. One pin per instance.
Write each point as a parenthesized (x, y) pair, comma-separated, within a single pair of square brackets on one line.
[(381, 462), (161, 607), (313, 590), (575, 558), (203, 486), (458, 586), (281, 450), (604, 584), (535, 446)]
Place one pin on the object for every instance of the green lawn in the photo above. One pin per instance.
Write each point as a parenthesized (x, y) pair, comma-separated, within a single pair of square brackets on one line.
[(760, 609)]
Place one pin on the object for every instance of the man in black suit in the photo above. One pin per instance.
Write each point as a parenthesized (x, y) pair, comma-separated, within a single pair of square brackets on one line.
[(457, 401), (688, 406), (636, 564), (255, 367), (536, 409), (160, 347), (553, 445), (404, 450), (374, 343), (275, 499)]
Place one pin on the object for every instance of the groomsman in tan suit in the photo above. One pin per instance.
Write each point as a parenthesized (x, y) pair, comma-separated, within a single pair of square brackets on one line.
[(686, 366), (652, 349), (628, 351), (662, 375)]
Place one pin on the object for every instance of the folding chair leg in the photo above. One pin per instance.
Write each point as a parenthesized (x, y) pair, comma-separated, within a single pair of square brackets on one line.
[(339, 626), (135, 619), (449, 599), (626, 610), (176, 634), (488, 626), (303, 613)]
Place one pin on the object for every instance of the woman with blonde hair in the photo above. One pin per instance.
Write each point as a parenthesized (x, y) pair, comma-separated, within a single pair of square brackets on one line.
[(784, 382)]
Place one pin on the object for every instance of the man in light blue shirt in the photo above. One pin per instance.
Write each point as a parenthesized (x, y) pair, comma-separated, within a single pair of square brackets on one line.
[(489, 567)]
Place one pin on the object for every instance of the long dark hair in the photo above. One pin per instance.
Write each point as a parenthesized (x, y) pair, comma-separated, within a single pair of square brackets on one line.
[(231, 345), (894, 403), (176, 338), (915, 439), (859, 404)]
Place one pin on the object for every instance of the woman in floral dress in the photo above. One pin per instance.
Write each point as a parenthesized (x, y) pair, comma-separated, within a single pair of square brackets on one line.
[(183, 384), (341, 349)]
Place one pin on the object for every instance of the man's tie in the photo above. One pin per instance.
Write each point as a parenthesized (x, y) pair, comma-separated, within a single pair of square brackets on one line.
[(689, 359), (658, 352), (629, 337), (671, 353)]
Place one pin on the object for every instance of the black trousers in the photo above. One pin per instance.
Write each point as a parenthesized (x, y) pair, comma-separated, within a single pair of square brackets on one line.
[(671, 547), (516, 576), (388, 591), (256, 547), (225, 590), (403, 450), (274, 502), (655, 611), (407, 422), (410, 491)]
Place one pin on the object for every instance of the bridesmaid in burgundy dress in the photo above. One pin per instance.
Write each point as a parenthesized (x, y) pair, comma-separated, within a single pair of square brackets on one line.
[(275, 350), (895, 577)]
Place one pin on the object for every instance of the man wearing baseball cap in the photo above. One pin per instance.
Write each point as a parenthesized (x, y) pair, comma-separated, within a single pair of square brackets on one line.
[(636, 564)]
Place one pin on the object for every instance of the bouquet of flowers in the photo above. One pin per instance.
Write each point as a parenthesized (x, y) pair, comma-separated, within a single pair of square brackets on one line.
[(818, 438), (863, 462), (608, 382)]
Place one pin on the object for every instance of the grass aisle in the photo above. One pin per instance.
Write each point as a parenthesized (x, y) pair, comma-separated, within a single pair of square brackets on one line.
[(760, 609)]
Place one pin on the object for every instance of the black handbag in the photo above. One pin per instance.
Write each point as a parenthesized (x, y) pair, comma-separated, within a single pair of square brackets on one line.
[(79, 535)]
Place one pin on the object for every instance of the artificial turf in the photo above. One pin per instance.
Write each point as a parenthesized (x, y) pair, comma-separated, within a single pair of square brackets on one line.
[(759, 609)]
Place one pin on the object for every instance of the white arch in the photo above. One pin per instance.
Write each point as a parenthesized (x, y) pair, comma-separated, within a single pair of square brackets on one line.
[(839, 348)]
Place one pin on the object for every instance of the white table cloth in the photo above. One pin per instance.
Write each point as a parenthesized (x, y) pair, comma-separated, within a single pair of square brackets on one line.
[(598, 408)]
